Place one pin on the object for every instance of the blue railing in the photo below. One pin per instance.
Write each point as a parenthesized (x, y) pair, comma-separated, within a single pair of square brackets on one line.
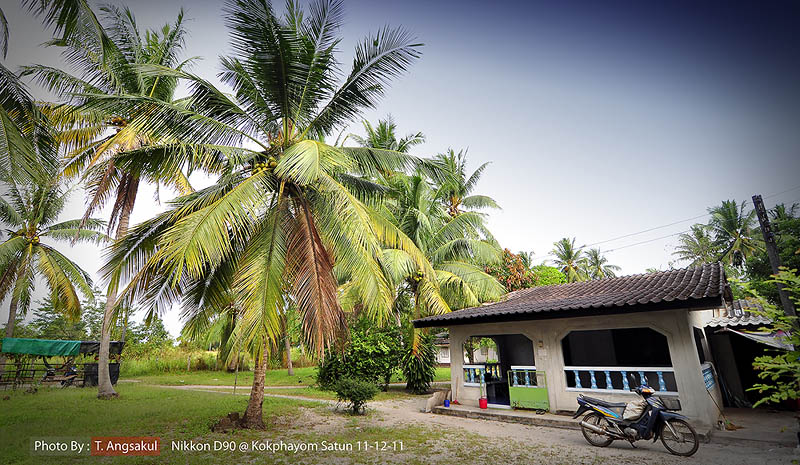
[(616, 379), (525, 376), (474, 375)]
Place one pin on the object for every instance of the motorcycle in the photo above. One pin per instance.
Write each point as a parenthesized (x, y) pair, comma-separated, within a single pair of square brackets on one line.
[(646, 419)]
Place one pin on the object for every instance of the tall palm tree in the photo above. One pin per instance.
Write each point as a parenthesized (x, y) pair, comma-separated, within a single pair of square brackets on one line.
[(569, 259), (454, 247), (597, 267), (289, 209), (696, 246), (457, 185), (733, 230), (30, 214), (109, 53), (383, 136)]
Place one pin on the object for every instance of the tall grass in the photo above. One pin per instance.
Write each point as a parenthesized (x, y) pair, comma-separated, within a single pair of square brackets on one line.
[(172, 360)]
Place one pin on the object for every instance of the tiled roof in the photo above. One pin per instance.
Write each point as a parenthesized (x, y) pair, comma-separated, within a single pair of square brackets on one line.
[(740, 313), (691, 287)]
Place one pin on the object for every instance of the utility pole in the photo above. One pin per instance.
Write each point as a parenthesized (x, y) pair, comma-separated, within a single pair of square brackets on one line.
[(772, 252)]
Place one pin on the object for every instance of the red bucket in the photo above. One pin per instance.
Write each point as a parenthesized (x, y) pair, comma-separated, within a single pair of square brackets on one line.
[(483, 402)]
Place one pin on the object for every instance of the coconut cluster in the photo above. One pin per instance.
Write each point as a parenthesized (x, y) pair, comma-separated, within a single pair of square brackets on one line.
[(262, 166)]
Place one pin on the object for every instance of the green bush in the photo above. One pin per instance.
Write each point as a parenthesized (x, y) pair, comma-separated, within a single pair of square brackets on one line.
[(372, 354), (548, 275), (355, 392), (419, 366)]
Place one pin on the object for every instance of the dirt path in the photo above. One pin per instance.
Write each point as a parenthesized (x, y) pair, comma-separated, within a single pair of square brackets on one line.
[(550, 445)]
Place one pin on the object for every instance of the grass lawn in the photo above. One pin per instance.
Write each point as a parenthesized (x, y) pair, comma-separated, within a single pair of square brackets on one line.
[(175, 415), (302, 377)]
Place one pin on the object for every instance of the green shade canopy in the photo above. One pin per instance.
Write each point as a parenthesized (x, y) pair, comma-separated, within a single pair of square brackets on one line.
[(46, 347)]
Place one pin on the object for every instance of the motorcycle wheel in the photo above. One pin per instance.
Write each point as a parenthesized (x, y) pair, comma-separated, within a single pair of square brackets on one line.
[(687, 442), (597, 440)]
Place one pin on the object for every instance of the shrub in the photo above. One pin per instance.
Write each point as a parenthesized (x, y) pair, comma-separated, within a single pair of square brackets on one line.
[(372, 354), (419, 364), (355, 392)]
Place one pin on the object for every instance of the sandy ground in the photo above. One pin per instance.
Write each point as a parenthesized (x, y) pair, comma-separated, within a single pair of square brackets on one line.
[(469, 438)]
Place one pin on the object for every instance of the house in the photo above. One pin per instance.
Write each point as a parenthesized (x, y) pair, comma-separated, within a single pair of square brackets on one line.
[(596, 338)]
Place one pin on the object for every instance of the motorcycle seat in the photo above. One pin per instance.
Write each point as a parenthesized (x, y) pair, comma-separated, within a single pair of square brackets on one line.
[(604, 403)]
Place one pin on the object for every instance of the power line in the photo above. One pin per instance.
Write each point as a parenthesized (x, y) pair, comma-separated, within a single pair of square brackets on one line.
[(661, 227), (676, 222)]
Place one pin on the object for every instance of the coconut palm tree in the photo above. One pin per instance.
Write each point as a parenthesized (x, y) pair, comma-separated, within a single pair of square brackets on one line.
[(454, 247), (569, 259), (696, 246), (597, 267), (100, 141), (733, 231), (383, 136), (288, 207), (30, 214), (457, 186)]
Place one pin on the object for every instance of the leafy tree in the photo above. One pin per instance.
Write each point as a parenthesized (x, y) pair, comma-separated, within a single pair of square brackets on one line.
[(781, 370), (733, 230), (31, 214), (597, 266), (457, 186), (548, 275), (570, 259), (786, 226), (383, 136), (108, 146), (512, 272), (49, 323), (282, 212)]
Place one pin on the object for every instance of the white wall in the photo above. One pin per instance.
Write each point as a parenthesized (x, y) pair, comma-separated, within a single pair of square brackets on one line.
[(547, 334)]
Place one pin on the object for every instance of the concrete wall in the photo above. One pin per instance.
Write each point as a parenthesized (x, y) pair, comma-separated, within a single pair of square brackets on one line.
[(546, 338)]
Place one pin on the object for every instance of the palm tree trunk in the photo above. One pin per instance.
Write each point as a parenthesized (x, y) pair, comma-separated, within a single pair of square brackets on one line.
[(105, 390), (12, 320), (254, 415)]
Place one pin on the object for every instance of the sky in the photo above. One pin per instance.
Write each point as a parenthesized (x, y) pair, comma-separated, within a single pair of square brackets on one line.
[(600, 119)]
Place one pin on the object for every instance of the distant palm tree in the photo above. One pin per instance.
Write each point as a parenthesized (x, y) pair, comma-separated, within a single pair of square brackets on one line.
[(383, 136), (457, 185), (30, 213), (527, 258), (733, 231), (570, 259), (597, 266), (696, 246), (783, 212)]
